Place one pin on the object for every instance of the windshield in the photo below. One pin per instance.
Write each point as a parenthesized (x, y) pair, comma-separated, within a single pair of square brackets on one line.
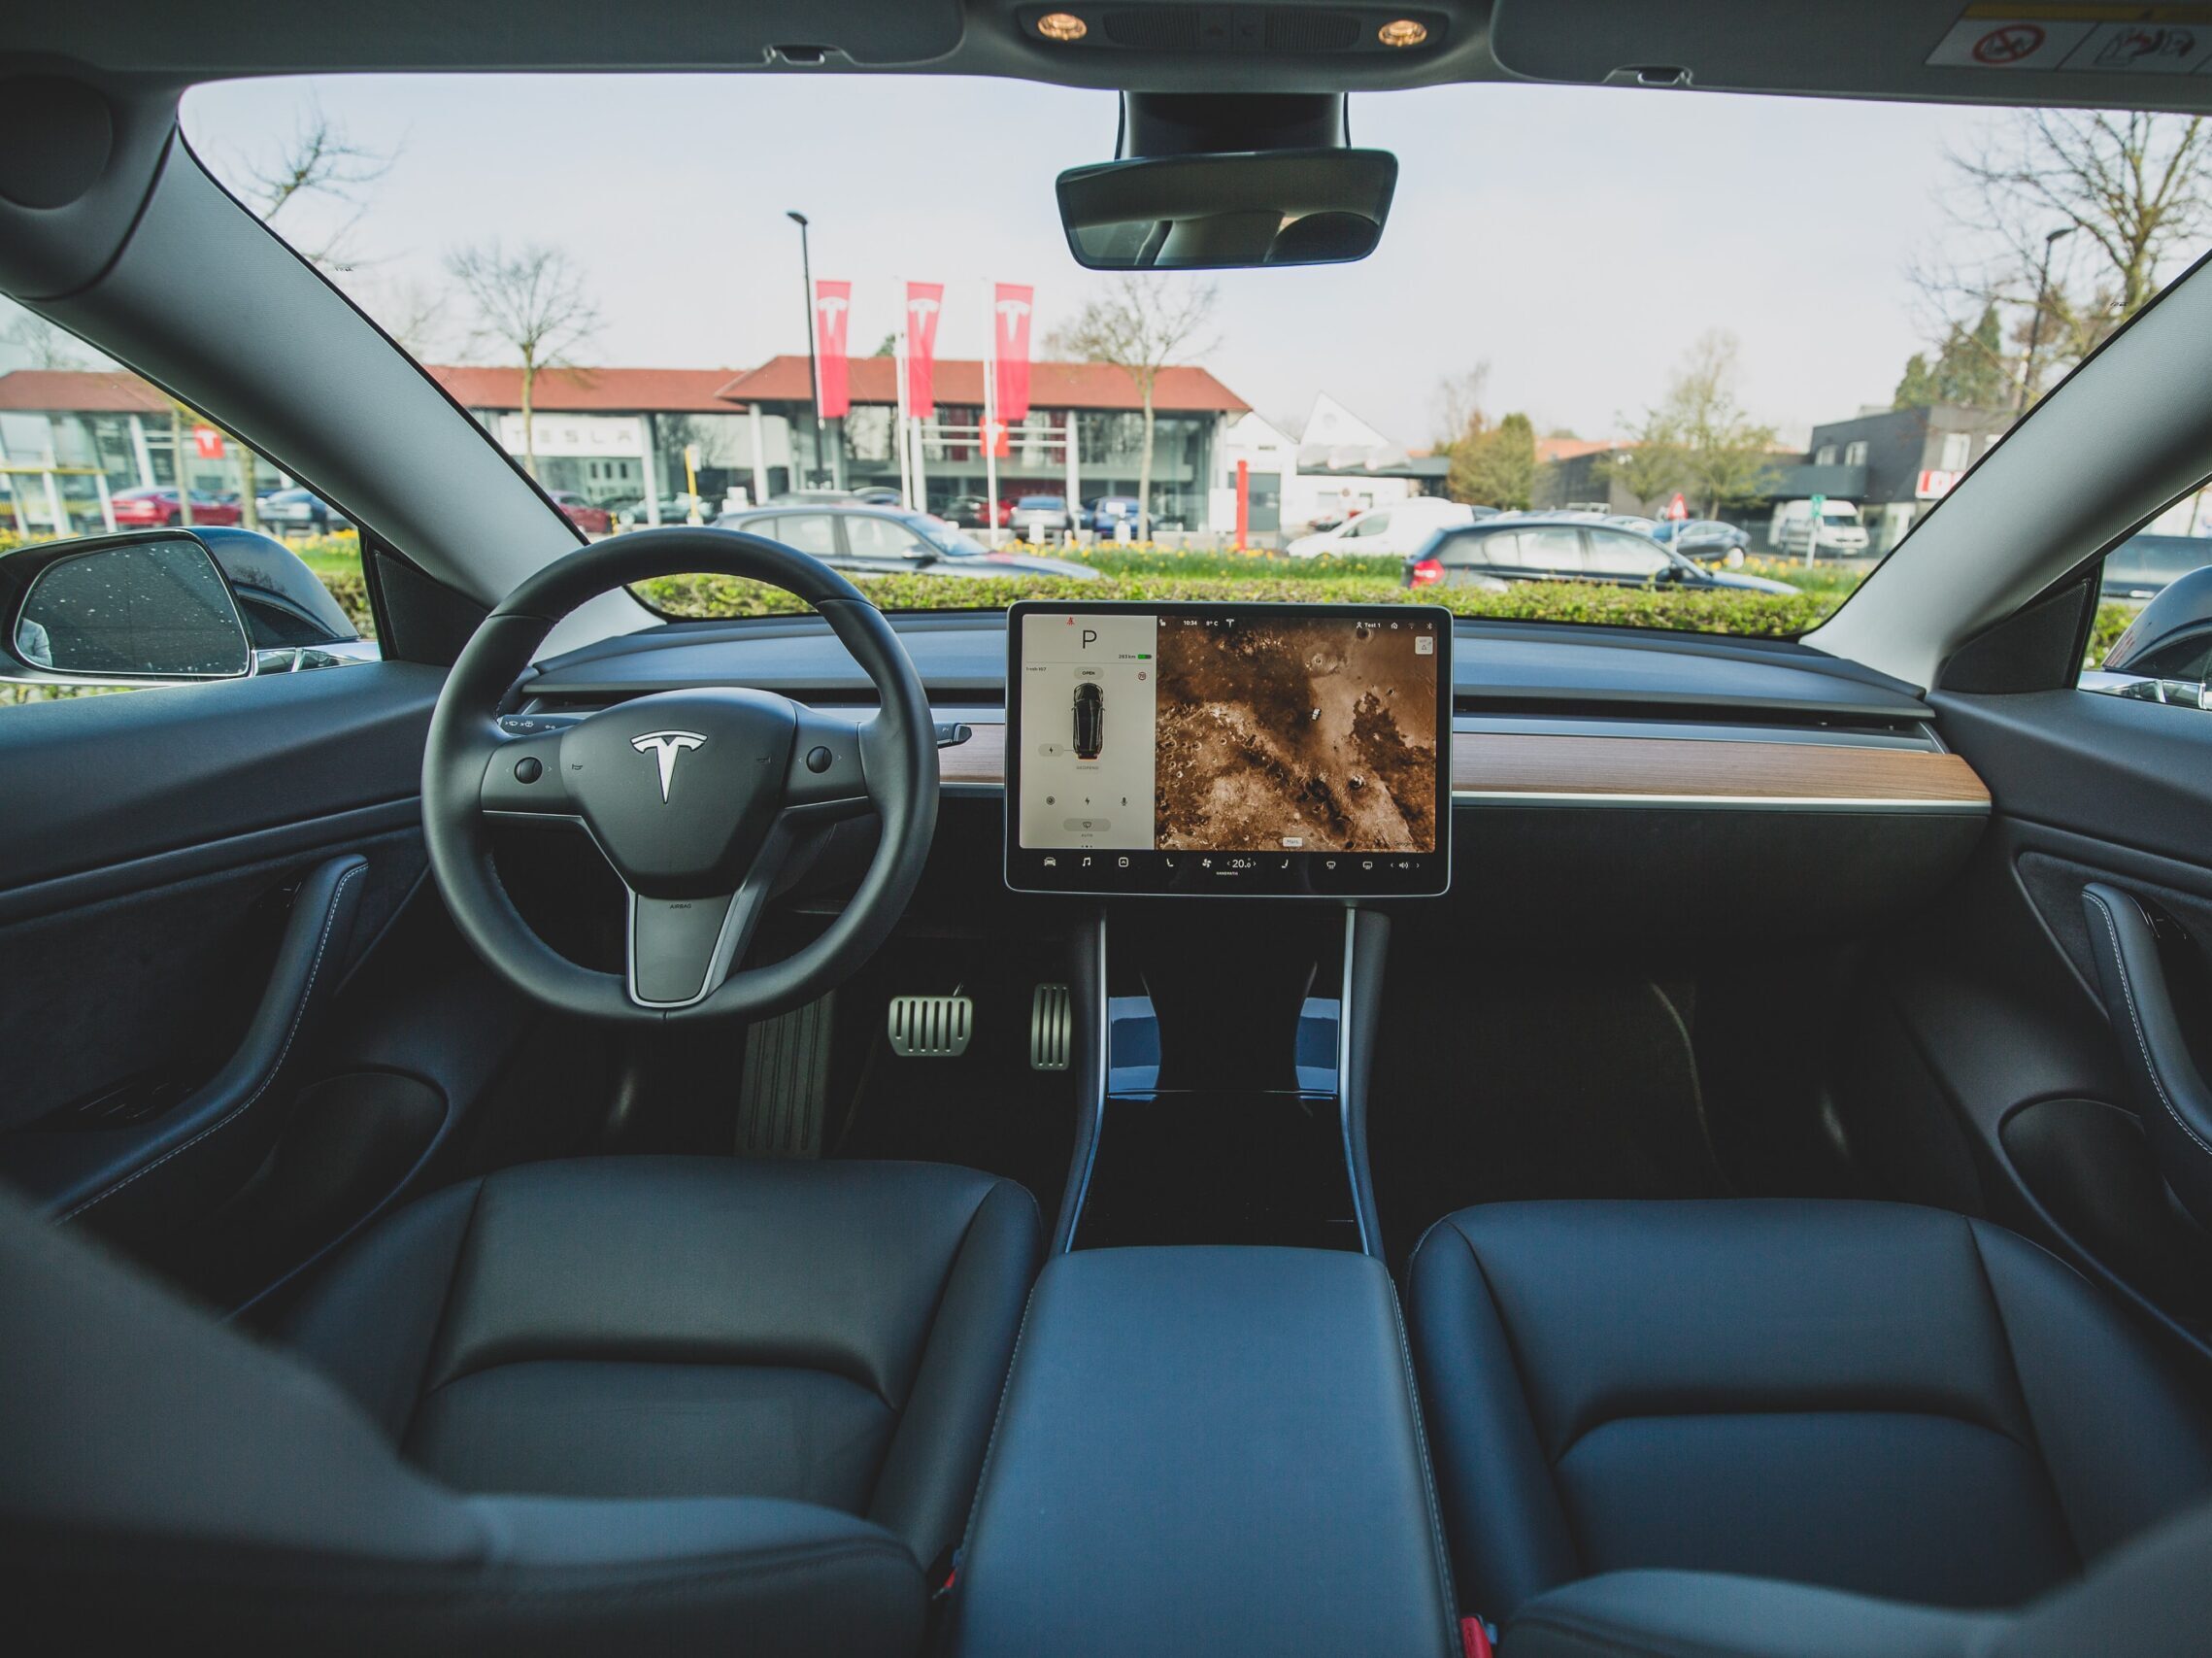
[(663, 326)]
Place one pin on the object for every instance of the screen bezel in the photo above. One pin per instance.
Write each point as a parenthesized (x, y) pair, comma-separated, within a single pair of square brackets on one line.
[(1431, 876)]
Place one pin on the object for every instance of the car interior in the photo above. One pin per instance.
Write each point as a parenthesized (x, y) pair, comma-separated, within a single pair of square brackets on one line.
[(570, 1130)]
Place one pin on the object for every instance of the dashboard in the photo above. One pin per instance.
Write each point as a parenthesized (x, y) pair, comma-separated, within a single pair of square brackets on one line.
[(1603, 784)]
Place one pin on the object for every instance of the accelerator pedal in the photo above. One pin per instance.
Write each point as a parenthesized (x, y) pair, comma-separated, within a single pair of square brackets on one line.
[(931, 1027), (1051, 1027), (785, 1082)]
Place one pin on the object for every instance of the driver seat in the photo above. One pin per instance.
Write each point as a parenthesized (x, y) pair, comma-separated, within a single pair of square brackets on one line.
[(697, 1403)]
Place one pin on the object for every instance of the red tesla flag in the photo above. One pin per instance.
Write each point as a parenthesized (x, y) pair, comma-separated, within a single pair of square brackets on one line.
[(832, 308), (207, 443), (1010, 310), (923, 301)]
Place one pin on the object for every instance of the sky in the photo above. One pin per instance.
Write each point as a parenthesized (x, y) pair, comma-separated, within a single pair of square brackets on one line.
[(1574, 240)]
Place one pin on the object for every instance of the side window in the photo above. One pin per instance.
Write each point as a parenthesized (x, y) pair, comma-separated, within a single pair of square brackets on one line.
[(2151, 639), (1554, 548), (1612, 555), (93, 451), (814, 533), (1374, 524), (1501, 548), (881, 538)]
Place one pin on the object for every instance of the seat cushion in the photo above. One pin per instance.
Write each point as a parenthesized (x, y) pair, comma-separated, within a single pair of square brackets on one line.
[(1870, 1397), (832, 1332)]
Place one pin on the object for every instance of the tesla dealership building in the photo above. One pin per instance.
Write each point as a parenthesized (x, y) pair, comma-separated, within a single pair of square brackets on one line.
[(622, 436)]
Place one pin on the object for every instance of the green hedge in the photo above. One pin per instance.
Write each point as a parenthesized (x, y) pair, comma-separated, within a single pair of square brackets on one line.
[(1757, 613)]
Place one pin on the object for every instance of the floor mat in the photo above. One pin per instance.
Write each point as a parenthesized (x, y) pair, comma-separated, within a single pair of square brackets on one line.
[(1547, 1083), (986, 1109), (786, 1082)]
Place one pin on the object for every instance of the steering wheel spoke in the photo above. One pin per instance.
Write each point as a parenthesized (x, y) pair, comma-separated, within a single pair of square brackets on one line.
[(828, 769), (522, 778), (681, 950)]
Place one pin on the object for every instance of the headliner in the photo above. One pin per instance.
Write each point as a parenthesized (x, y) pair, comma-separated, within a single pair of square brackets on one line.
[(1874, 48)]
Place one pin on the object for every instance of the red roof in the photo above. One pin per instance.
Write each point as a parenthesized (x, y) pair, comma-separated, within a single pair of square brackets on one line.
[(960, 382), (596, 391), (80, 390), (1570, 448)]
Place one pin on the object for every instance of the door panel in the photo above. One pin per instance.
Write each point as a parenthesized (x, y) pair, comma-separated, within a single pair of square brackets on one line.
[(1999, 1016), (209, 899)]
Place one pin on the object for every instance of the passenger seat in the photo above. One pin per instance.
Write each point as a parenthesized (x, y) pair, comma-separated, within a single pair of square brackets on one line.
[(1895, 1401)]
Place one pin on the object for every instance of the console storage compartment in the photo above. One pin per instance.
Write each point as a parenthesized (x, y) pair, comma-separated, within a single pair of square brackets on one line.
[(1207, 1450)]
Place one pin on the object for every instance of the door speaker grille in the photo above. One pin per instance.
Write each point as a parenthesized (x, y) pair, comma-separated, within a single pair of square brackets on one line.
[(931, 1027)]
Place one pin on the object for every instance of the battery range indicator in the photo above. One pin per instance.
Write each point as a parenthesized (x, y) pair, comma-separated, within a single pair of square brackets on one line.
[(1144, 655)]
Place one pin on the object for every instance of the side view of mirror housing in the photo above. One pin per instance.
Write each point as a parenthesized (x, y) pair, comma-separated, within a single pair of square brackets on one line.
[(165, 607)]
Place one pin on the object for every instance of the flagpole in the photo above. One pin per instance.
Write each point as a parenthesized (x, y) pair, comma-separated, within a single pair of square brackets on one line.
[(905, 466), (991, 415)]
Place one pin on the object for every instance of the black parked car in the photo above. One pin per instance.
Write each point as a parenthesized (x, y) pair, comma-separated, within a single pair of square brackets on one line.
[(300, 509), (864, 541), (1707, 541), (1562, 549)]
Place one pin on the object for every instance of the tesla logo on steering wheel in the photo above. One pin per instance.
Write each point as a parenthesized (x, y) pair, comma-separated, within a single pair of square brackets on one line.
[(667, 745)]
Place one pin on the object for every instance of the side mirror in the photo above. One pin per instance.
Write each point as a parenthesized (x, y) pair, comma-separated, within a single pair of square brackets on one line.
[(146, 609)]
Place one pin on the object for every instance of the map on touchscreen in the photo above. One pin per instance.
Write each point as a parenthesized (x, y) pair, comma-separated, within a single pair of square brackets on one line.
[(1242, 732)]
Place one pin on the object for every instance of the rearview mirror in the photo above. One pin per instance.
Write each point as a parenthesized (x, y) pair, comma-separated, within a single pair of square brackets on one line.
[(1212, 212), (132, 610)]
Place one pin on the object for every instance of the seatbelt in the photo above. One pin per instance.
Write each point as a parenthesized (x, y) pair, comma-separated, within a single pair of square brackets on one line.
[(1476, 1640)]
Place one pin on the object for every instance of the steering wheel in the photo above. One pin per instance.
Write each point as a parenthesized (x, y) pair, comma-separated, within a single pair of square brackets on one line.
[(697, 798)]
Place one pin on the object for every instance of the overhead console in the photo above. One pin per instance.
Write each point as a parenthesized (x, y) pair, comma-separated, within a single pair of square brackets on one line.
[(1285, 749)]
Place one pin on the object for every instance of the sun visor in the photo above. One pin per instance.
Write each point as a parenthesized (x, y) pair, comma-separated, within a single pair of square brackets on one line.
[(1997, 52)]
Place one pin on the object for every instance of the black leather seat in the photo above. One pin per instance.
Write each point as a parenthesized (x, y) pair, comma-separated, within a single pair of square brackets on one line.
[(1866, 1397), (701, 1404)]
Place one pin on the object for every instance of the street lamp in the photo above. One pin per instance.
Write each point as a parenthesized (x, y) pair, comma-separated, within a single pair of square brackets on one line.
[(2035, 324), (814, 373)]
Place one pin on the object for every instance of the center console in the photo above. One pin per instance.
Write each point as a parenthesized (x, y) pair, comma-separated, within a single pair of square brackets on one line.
[(1240, 1424)]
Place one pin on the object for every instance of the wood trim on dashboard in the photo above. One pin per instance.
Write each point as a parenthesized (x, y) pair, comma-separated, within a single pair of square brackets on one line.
[(1503, 767)]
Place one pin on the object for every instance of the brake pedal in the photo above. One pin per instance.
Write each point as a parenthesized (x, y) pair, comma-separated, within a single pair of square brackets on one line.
[(1051, 1027), (931, 1027)]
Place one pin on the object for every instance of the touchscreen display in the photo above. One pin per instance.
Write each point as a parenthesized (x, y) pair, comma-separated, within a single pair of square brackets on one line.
[(1279, 748)]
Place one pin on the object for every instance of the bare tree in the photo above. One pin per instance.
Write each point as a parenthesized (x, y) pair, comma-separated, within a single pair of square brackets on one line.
[(41, 344), (321, 160), (1141, 324), (531, 302), (1702, 434), (2130, 190), (1460, 404)]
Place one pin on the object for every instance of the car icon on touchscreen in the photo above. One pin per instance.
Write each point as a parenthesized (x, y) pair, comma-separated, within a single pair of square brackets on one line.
[(1089, 720)]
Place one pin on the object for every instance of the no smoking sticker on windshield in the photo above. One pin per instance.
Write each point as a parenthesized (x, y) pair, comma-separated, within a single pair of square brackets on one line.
[(2078, 39)]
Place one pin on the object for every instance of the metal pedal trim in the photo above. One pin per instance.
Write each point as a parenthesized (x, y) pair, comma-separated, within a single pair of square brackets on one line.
[(931, 1027), (1051, 1027)]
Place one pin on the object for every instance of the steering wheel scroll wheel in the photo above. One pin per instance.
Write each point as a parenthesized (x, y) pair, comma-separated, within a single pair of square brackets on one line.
[(699, 798)]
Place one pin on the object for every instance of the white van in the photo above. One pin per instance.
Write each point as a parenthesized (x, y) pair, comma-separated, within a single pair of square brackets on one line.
[(1403, 527), (1842, 533)]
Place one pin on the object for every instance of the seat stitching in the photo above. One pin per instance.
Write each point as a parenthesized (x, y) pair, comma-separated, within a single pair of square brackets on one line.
[(1448, 1590), (276, 1069), (2026, 1410), (998, 1417), (2135, 1021), (1521, 1381), (1753, 1412)]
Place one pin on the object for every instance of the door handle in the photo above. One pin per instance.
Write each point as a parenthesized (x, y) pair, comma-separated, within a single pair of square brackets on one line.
[(2171, 1095), (135, 1182)]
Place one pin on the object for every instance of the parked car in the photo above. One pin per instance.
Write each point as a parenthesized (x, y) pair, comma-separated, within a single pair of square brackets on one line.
[(1707, 541), (302, 510), (1100, 516), (589, 518), (1558, 548), (2143, 566), (976, 512), (155, 508), (1841, 533), (1401, 528), (1039, 516), (876, 541), (878, 495)]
